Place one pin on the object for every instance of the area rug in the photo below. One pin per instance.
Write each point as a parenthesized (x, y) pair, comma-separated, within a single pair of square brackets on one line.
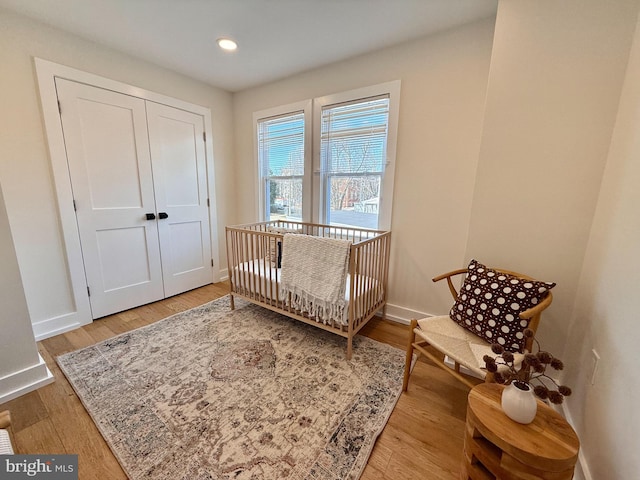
[(212, 393)]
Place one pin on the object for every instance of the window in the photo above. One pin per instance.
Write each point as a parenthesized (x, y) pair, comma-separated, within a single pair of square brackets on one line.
[(354, 138), (353, 153), (282, 152)]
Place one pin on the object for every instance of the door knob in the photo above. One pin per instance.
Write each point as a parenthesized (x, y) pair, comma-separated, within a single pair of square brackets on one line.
[(162, 215), (151, 216)]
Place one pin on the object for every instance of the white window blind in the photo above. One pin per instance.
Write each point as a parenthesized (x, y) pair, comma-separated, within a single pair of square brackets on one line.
[(354, 136), (281, 157)]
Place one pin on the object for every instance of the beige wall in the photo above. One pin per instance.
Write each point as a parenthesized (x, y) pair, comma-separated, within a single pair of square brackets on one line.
[(442, 98), (557, 71), (605, 316), (25, 172), (556, 75)]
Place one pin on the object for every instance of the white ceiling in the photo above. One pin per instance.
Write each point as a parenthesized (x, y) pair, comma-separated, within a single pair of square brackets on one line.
[(276, 38)]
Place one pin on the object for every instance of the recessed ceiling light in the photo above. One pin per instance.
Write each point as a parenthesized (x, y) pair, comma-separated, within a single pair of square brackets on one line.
[(227, 44)]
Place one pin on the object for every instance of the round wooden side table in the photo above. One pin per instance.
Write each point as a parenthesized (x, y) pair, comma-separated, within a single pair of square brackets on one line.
[(496, 447)]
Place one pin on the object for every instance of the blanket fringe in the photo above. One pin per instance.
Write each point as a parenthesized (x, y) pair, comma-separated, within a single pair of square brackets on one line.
[(315, 308)]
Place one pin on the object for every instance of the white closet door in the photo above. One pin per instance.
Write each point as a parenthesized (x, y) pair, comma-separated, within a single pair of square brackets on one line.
[(109, 163), (180, 180)]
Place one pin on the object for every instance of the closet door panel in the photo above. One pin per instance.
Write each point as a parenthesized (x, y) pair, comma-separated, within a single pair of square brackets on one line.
[(180, 181), (110, 168)]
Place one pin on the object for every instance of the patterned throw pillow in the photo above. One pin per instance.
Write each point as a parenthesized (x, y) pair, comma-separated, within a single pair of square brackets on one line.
[(275, 245), (490, 302)]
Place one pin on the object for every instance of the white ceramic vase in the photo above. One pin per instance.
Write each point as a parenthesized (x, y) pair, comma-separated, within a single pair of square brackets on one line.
[(519, 403)]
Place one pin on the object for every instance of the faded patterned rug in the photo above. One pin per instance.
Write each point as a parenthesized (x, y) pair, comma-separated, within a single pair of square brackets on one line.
[(212, 393)]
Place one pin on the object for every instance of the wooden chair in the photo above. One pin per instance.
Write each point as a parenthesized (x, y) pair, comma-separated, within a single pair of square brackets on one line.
[(6, 434), (451, 340)]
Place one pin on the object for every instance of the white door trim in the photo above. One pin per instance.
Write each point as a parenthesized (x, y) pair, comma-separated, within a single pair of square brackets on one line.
[(46, 72)]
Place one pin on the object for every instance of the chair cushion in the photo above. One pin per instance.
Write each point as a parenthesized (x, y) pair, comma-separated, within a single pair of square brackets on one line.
[(5, 443), (452, 340), (490, 302), (459, 344)]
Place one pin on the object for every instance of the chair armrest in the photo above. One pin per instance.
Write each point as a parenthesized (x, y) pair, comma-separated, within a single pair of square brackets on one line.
[(452, 289), (537, 310), (450, 274), (533, 315)]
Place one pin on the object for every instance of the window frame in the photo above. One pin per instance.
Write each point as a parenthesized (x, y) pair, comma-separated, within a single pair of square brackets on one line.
[(314, 195), (390, 89), (304, 106)]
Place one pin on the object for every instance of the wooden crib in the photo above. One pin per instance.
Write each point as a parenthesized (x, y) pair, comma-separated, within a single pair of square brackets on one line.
[(255, 278)]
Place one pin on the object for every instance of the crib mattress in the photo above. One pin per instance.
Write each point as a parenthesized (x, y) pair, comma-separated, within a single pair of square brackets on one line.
[(260, 277)]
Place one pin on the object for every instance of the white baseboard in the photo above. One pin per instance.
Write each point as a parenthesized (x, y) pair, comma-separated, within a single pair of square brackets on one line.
[(582, 471), (224, 274), (41, 333), (51, 327), (24, 381), (403, 315)]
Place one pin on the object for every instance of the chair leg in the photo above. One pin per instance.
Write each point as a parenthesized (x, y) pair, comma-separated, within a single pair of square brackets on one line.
[(409, 358)]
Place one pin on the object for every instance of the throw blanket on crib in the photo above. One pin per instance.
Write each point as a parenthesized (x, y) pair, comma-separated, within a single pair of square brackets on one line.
[(314, 272)]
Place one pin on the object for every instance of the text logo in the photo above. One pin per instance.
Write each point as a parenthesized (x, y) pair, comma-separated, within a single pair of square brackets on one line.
[(49, 467)]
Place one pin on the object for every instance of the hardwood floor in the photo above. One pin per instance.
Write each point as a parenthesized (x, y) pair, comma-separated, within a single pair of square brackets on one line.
[(422, 440)]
